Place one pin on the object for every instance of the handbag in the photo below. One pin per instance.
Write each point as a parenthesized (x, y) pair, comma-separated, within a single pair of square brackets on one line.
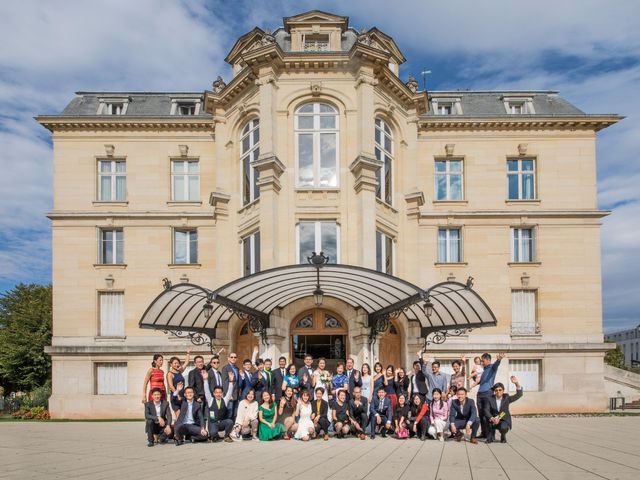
[(402, 433)]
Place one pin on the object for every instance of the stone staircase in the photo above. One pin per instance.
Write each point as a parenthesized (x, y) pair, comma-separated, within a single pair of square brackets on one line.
[(622, 383)]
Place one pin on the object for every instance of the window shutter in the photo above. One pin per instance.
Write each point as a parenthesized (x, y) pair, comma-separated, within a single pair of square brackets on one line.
[(528, 373), (112, 314), (111, 378)]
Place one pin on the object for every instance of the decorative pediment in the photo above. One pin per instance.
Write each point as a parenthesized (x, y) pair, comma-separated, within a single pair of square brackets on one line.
[(377, 39), (256, 38), (315, 17)]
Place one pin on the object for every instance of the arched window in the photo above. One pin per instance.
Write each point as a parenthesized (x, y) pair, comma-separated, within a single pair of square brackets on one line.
[(384, 153), (249, 152), (316, 128)]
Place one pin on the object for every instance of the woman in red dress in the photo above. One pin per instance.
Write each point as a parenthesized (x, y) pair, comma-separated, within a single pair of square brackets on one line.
[(155, 377)]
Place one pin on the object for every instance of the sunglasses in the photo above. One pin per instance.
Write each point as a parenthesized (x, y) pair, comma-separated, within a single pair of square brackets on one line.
[(233, 356)]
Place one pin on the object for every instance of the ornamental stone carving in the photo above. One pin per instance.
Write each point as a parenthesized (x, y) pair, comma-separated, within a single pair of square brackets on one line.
[(218, 85), (412, 83)]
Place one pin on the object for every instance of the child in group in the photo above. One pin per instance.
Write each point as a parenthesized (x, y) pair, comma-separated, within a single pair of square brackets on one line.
[(476, 371)]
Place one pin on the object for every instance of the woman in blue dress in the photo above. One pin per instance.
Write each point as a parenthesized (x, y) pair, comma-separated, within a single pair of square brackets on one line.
[(175, 377), (378, 378), (291, 380)]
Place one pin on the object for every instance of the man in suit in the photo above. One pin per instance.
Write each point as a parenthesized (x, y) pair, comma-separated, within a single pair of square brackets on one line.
[(355, 378), (196, 378), (305, 374), (260, 380), (463, 416), (214, 374), (191, 420), (418, 385), (319, 411), (245, 382), (380, 414), (278, 377), (358, 413), (232, 367), (218, 415), (158, 418), (496, 409), (487, 379)]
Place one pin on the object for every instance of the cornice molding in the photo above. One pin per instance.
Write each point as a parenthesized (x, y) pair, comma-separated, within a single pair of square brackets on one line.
[(79, 214), (426, 213), (512, 122), (68, 123)]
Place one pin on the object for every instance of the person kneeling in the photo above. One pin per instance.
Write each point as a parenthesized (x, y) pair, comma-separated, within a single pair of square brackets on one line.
[(463, 416), (191, 420), (340, 410), (219, 416), (418, 420), (247, 418), (319, 415), (401, 416), (358, 409), (158, 419), (496, 409), (380, 414)]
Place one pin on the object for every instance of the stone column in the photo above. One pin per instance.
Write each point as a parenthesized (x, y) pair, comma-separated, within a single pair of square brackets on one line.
[(364, 170), (359, 337)]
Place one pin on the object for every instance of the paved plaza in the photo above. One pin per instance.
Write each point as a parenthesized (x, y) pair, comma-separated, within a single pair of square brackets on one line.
[(539, 448)]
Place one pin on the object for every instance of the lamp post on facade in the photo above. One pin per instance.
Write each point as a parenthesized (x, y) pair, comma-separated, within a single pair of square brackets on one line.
[(318, 260)]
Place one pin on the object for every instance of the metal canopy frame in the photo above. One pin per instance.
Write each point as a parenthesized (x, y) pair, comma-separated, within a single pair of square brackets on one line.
[(187, 309)]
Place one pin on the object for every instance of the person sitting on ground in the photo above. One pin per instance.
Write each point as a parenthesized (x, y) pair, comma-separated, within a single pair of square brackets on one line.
[(358, 413), (380, 414), (400, 416), (439, 415), (158, 419), (218, 415), (305, 429), (463, 416), (319, 415), (246, 424), (340, 410), (286, 410), (497, 410), (418, 419), (191, 419), (268, 428)]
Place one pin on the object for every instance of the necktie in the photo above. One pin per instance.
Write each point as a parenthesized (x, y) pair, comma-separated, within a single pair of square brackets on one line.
[(218, 378)]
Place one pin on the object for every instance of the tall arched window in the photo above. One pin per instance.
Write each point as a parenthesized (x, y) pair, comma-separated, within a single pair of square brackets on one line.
[(384, 153), (249, 152), (316, 127)]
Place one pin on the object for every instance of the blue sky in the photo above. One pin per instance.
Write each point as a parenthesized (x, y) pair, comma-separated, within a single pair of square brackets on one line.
[(588, 50)]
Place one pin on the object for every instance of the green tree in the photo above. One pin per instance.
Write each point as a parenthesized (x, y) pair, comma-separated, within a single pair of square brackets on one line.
[(25, 329), (615, 358)]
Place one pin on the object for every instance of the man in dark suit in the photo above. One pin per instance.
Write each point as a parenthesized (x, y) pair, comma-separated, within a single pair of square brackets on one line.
[(355, 378), (231, 367), (260, 380), (418, 382), (215, 375), (245, 382), (218, 415), (496, 410), (196, 378), (305, 374), (158, 418), (463, 416), (319, 411), (278, 377), (191, 420), (380, 414), (358, 413)]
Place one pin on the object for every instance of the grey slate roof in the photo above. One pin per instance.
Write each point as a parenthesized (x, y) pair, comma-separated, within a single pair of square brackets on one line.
[(141, 104), (486, 103)]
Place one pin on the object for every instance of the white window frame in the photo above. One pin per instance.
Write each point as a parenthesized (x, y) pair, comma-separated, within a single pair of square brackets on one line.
[(120, 328), (386, 157), (454, 105), (114, 246), (317, 43), (107, 106), (318, 238), (188, 246), (254, 240), (316, 132), (383, 251), (185, 174), (252, 155), (448, 241), (447, 174), (518, 105), (520, 373), (520, 173), (112, 174), (518, 325), (518, 232), (123, 366)]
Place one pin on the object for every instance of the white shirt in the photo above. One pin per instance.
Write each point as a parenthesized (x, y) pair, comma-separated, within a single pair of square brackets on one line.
[(498, 403), (157, 405), (188, 419)]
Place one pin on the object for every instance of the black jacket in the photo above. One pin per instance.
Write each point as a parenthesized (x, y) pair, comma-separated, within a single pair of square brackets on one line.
[(196, 411), (151, 416), (324, 408), (196, 382), (353, 383), (421, 381), (278, 378), (491, 406)]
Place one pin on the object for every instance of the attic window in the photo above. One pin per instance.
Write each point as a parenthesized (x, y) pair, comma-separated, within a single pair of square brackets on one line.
[(112, 107), (518, 106), (185, 107), (446, 106), (315, 42)]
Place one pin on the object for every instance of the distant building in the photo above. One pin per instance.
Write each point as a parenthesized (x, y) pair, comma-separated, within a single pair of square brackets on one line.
[(317, 144), (629, 343)]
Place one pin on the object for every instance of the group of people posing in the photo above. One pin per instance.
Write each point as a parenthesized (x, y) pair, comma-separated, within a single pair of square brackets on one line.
[(254, 401)]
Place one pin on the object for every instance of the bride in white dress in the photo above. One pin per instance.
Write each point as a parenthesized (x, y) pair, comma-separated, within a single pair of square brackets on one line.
[(306, 428)]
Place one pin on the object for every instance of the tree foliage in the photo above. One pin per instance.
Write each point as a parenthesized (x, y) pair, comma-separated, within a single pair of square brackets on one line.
[(25, 329), (615, 358)]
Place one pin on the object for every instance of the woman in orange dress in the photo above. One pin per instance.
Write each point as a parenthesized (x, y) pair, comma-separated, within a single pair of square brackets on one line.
[(154, 377)]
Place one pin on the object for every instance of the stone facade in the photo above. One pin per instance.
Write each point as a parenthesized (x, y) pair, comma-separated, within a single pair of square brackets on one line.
[(356, 73)]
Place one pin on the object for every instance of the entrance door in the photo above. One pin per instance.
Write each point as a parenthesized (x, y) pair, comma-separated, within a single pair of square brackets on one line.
[(389, 349), (245, 341), (320, 333)]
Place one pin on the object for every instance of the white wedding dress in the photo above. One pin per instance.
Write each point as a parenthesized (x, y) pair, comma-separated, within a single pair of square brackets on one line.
[(304, 423)]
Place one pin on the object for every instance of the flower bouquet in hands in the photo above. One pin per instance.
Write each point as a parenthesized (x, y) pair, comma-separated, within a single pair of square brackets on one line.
[(326, 378)]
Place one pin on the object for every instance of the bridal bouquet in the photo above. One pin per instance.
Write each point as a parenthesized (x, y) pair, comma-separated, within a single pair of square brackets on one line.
[(325, 378)]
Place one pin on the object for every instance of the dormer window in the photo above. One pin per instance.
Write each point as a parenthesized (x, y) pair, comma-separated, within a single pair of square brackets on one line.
[(112, 107), (315, 42), (185, 107), (446, 106), (518, 106)]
